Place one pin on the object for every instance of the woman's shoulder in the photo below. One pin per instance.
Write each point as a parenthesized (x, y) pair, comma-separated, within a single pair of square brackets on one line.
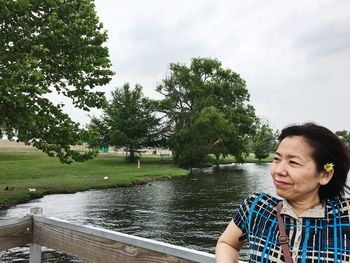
[(261, 200), (338, 207), (339, 202), (253, 207)]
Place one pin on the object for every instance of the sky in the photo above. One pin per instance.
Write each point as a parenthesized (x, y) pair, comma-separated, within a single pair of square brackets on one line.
[(293, 55)]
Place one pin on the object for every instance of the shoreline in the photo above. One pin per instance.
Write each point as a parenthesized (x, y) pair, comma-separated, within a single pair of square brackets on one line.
[(22, 172), (36, 195)]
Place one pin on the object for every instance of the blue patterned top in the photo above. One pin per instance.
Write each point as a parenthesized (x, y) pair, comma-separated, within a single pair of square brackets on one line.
[(321, 234)]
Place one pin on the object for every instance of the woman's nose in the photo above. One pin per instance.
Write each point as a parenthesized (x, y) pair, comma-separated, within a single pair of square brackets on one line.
[(281, 168)]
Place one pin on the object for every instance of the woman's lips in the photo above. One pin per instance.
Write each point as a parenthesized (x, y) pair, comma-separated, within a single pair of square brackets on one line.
[(279, 183)]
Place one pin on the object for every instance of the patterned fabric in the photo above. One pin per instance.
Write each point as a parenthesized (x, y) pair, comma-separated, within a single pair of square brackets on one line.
[(311, 239)]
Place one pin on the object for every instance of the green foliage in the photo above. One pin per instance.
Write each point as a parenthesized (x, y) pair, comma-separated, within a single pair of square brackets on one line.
[(128, 121), (264, 141), (345, 137), (207, 110), (50, 46)]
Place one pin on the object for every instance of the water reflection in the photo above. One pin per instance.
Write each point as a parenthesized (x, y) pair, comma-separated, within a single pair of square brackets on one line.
[(68, 205), (190, 212)]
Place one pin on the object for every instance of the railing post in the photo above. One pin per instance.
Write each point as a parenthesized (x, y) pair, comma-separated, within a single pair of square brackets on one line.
[(35, 250)]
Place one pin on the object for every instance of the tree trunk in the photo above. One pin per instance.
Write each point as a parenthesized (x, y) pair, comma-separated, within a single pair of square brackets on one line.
[(131, 154), (217, 157)]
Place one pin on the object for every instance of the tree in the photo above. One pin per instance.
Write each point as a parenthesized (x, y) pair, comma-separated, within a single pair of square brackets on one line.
[(264, 141), (207, 135), (128, 121), (207, 110), (50, 46), (345, 137)]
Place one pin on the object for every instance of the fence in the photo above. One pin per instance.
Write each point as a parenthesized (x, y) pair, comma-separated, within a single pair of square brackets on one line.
[(90, 243)]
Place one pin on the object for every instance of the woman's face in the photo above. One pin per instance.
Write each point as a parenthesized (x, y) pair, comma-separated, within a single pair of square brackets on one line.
[(294, 171)]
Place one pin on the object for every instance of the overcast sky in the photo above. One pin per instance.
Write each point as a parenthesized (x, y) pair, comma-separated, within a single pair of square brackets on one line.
[(294, 55)]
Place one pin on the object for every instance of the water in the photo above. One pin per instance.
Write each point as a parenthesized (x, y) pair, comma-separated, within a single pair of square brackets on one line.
[(190, 212)]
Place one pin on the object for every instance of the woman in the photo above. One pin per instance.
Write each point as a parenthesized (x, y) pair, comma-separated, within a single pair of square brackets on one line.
[(309, 172)]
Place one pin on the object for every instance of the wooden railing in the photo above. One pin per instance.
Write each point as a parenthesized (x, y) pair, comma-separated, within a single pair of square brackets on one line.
[(90, 243), (15, 232)]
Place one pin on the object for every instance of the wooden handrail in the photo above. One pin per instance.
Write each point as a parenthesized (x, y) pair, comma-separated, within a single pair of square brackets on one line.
[(91, 243), (15, 232), (100, 245)]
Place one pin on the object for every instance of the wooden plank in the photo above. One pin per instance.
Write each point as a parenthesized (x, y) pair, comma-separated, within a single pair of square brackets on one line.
[(15, 232), (99, 245), (35, 250)]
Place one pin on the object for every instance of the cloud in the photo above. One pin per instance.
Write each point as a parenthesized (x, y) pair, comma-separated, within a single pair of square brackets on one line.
[(294, 55)]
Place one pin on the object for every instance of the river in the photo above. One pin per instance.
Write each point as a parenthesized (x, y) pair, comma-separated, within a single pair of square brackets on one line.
[(190, 212)]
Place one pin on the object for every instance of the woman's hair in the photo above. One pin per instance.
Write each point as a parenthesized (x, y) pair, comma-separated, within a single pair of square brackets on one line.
[(327, 148)]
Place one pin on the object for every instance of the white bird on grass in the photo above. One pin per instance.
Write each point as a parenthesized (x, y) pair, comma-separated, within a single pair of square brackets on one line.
[(105, 178), (31, 189)]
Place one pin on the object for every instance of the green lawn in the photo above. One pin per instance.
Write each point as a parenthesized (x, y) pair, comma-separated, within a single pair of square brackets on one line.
[(21, 171)]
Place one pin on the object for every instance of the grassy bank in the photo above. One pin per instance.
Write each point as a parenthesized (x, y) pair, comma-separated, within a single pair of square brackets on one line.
[(21, 171), (248, 159)]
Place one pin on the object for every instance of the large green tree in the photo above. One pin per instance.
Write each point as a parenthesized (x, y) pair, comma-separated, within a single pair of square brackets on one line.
[(207, 110), (129, 121), (50, 46), (345, 137), (264, 141)]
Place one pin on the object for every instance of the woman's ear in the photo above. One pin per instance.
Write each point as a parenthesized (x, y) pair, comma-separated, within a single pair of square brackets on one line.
[(326, 177)]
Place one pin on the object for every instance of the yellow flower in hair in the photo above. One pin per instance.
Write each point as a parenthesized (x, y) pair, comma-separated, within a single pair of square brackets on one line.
[(328, 167)]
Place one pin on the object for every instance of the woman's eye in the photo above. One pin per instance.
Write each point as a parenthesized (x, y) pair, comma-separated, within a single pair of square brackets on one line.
[(294, 162), (276, 159)]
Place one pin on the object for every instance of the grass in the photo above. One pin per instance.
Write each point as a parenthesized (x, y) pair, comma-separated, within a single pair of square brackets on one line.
[(21, 171)]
